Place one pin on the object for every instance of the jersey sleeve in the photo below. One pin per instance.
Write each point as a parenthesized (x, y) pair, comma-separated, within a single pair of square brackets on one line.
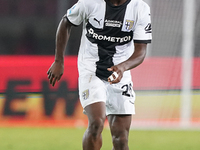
[(76, 13), (143, 30)]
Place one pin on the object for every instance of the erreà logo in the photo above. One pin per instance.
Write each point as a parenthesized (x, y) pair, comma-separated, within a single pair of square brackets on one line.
[(148, 28)]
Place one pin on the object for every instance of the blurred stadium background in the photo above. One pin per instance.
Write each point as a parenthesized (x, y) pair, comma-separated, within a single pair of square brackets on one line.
[(167, 84)]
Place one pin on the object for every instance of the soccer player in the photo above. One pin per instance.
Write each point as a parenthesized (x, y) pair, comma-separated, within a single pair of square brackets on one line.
[(114, 40)]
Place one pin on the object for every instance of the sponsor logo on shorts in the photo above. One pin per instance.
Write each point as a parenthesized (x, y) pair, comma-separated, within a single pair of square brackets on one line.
[(85, 94)]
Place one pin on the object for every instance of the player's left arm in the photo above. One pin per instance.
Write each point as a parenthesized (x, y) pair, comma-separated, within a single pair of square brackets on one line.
[(142, 36), (136, 59)]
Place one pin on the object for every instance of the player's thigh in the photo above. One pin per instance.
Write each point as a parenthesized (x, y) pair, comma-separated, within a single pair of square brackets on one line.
[(96, 112), (119, 124), (91, 90)]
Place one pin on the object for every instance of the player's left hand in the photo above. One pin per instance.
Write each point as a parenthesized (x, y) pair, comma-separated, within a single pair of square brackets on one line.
[(117, 74)]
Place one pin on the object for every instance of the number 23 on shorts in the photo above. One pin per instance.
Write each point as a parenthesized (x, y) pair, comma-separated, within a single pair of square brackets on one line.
[(128, 90)]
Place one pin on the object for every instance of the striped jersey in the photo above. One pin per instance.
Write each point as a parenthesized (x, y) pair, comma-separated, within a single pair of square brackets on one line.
[(109, 33)]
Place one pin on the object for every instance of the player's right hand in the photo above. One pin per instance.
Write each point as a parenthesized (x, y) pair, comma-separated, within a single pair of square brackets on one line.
[(117, 74), (55, 72)]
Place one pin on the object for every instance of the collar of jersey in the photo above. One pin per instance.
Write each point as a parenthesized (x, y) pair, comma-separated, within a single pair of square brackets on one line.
[(119, 6)]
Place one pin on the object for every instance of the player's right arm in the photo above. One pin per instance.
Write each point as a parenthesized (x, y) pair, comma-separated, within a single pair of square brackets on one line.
[(62, 35), (74, 17)]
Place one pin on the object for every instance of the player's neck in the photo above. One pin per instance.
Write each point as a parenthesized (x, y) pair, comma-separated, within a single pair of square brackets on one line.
[(117, 2)]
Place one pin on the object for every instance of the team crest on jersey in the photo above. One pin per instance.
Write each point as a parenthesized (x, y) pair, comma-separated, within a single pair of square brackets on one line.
[(129, 24), (85, 94)]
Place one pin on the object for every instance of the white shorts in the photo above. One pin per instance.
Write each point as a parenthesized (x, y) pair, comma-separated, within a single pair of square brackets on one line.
[(119, 98)]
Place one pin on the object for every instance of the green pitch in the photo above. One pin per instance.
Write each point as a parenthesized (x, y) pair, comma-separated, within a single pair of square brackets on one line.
[(70, 139)]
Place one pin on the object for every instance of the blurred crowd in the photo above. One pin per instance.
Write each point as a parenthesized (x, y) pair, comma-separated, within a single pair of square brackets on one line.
[(28, 27)]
